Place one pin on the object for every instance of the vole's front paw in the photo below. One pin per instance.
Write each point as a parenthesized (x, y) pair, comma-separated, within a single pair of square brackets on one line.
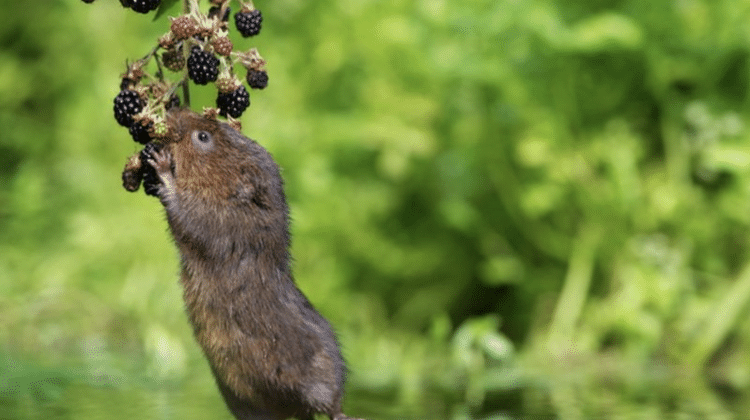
[(161, 160)]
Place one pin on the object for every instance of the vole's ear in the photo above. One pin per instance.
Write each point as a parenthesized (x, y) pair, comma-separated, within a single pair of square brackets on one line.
[(202, 140), (235, 136)]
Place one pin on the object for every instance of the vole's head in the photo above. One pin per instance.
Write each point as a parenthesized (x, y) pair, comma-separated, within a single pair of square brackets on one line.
[(214, 161)]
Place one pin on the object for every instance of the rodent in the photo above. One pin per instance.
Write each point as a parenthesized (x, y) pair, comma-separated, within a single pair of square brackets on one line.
[(272, 354)]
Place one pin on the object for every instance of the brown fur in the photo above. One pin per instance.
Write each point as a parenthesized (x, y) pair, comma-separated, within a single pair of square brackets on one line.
[(272, 354)]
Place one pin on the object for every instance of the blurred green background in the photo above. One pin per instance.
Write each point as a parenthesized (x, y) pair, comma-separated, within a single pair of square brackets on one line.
[(507, 208)]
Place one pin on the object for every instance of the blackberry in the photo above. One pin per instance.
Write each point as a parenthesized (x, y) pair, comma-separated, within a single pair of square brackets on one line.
[(203, 67), (144, 6), (173, 59), (150, 179), (257, 79), (223, 46), (227, 84), (233, 103), (248, 23), (132, 175), (183, 27), (140, 132), (127, 104)]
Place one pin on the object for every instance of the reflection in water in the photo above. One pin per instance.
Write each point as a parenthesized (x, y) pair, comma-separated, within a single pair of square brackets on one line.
[(82, 401), (576, 395)]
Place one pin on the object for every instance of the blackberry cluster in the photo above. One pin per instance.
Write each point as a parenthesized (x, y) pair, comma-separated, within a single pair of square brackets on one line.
[(203, 67), (233, 103), (150, 179), (141, 6), (248, 23), (127, 104), (151, 96), (257, 79)]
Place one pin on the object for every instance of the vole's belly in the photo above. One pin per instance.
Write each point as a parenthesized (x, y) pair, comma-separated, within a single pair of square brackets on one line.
[(235, 357), (259, 355), (245, 355)]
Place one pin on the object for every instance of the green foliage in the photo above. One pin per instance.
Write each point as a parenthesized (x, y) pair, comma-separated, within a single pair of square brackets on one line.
[(503, 206)]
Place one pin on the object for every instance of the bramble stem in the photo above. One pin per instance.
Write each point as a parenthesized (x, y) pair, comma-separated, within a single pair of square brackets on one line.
[(185, 89), (191, 6), (185, 93)]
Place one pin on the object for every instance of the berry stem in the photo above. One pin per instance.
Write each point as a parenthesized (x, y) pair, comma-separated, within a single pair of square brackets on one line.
[(192, 6), (174, 87), (159, 72), (247, 5), (185, 91), (223, 9), (185, 52), (148, 56)]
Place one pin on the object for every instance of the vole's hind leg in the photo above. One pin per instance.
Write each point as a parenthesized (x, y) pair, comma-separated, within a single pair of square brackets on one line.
[(243, 409)]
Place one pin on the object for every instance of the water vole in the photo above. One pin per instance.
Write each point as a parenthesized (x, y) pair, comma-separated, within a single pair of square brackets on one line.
[(273, 355)]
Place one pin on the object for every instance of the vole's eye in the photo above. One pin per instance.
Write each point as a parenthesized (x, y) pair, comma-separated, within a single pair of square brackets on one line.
[(202, 139)]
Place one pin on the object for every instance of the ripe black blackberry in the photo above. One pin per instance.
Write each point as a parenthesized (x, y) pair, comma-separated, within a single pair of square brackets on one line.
[(257, 79), (144, 6), (150, 179), (127, 104), (140, 132), (203, 67), (233, 103), (248, 23)]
